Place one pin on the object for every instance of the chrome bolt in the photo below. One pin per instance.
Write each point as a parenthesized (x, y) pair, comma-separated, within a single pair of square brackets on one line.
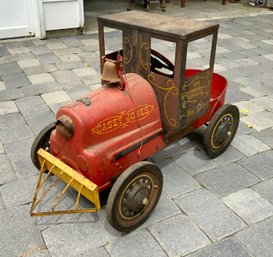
[(145, 201)]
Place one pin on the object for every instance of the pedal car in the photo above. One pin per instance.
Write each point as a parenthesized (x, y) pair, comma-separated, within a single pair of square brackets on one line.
[(146, 102)]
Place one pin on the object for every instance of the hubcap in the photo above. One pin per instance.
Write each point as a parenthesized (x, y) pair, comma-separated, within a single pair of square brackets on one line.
[(136, 197), (222, 131)]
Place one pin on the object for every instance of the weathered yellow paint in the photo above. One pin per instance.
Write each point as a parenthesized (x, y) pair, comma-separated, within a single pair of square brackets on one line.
[(72, 179)]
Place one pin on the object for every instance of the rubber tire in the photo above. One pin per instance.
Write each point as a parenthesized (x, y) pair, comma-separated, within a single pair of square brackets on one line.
[(41, 141), (208, 135), (112, 208)]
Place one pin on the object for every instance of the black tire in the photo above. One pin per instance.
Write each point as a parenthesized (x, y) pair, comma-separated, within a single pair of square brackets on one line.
[(41, 141), (221, 130), (134, 196)]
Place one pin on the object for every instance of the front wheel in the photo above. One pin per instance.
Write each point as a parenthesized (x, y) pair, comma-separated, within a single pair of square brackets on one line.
[(42, 140), (221, 130), (134, 196)]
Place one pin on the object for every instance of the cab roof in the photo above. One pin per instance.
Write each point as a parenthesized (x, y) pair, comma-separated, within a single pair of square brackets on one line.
[(159, 24)]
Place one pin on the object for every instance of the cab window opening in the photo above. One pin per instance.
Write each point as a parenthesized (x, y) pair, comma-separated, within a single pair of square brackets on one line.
[(162, 57)]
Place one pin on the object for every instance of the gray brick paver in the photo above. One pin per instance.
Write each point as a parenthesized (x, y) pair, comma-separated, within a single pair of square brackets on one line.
[(99, 252), (130, 246), (41, 49), (165, 208), (259, 121), (18, 150), (48, 58), (78, 237), (15, 80), (55, 97), (8, 107), (89, 48), (19, 50), (257, 89), (18, 192), (18, 57), (176, 241), (265, 189), (257, 238), (2, 206), (178, 182), (265, 102), (260, 165), (71, 42), (41, 78), (249, 145), (213, 217), (265, 136), (250, 107), (70, 65), (21, 43), (31, 104), (227, 179), (38, 69), (65, 76), (231, 155), (6, 171), (235, 95), (10, 135), (11, 94), (39, 120), (28, 63), (39, 89), (2, 150), (69, 58), (56, 45), (9, 68), (229, 247), (56, 106), (195, 162), (19, 234), (37, 252), (67, 51), (77, 92), (86, 71), (4, 51), (249, 205), (2, 86), (24, 168), (91, 80), (11, 120)]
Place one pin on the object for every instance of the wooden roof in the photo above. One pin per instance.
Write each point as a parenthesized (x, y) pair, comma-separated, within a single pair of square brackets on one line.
[(159, 24)]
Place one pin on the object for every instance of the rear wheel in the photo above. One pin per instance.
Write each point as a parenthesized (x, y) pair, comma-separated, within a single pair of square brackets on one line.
[(134, 196), (42, 140), (221, 130)]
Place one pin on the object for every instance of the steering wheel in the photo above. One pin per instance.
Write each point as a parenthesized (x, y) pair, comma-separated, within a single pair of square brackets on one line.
[(159, 61)]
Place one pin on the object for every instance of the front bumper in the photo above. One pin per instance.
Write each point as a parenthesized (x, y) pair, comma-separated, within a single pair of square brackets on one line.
[(52, 165)]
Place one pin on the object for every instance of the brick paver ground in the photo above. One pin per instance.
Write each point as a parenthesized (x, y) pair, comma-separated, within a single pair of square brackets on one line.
[(220, 207)]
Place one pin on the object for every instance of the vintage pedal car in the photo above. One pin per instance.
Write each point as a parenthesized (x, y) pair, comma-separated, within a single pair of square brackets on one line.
[(103, 139)]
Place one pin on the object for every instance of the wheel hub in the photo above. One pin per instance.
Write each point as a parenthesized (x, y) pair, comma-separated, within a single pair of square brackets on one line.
[(223, 131), (136, 197)]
